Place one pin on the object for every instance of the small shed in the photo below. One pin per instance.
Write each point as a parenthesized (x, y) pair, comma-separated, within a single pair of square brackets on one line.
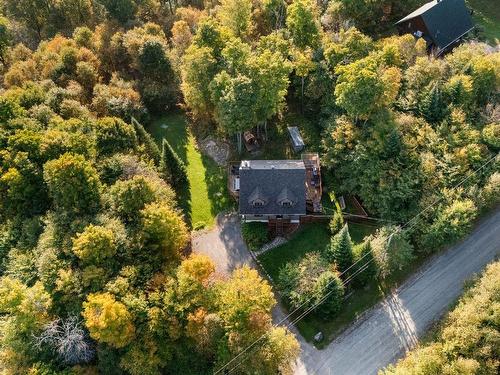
[(296, 138)]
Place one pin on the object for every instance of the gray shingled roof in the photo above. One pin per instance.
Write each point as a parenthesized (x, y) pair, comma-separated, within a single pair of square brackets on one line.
[(272, 181), (446, 20)]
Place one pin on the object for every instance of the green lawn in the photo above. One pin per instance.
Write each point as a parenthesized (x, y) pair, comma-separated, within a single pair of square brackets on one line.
[(206, 194), (315, 237), (487, 17), (311, 237)]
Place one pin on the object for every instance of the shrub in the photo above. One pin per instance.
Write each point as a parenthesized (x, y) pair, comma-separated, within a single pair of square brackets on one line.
[(311, 282), (255, 234)]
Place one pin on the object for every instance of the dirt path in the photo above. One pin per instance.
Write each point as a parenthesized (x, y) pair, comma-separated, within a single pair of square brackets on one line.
[(224, 244), (395, 324)]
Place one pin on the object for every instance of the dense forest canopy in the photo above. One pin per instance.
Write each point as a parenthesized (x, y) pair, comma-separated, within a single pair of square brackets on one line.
[(93, 265)]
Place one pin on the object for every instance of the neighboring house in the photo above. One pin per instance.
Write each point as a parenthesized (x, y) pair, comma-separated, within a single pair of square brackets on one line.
[(271, 190), (441, 23)]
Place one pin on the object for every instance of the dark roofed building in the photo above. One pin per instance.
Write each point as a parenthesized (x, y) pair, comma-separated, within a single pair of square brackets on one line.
[(296, 138), (270, 189), (441, 23)]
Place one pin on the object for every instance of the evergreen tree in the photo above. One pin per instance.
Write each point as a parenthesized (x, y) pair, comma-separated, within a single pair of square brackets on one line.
[(330, 290), (394, 145), (367, 267), (172, 166), (340, 249), (337, 222), (432, 106), (146, 140)]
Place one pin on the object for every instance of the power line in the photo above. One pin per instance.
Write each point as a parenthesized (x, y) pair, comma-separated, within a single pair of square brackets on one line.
[(307, 311), (398, 229)]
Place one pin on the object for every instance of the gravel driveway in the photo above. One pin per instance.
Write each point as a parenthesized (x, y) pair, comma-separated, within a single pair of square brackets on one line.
[(223, 244), (394, 325)]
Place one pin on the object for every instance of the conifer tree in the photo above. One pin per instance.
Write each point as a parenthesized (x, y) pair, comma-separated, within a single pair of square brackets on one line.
[(340, 249), (146, 140), (367, 266), (432, 106), (172, 166)]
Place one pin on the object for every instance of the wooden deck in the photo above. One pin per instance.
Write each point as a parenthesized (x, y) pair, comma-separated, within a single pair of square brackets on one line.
[(314, 189)]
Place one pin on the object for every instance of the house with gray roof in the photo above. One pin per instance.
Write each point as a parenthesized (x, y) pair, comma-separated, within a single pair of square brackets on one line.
[(278, 192), (272, 189), (441, 23)]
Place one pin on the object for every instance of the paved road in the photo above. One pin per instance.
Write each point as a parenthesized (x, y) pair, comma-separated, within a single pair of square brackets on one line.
[(223, 244), (394, 325)]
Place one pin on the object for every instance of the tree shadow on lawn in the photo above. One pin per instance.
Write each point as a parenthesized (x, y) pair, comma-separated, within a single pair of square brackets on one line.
[(216, 180), (173, 128)]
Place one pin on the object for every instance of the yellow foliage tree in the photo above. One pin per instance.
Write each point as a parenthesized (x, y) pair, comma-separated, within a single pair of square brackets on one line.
[(108, 320)]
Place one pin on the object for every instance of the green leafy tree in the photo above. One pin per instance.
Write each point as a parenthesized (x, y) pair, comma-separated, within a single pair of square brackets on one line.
[(9, 109), (490, 195), (34, 14), (127, 198), (73, 184), (302, 22), (452, 223), (94, 245), (275, 12), (277, 354), (5, 39), (485, 73), (244, 294), (163, 230), (121, 10), (198, 69), (236, 103), (108, 320), (22, 191), (391, 249), (491, 136), (114, 135), (340, 250), (311, 284), (363, 88), (237, 16), (271, 74), (367, 266)]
